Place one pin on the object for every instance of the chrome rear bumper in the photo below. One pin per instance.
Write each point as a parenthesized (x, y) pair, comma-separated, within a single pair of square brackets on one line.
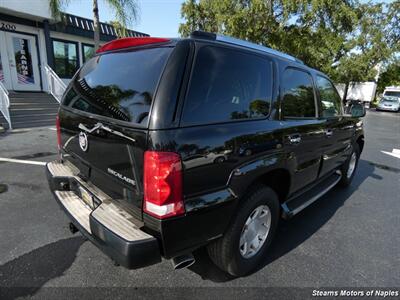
[(102, 220)]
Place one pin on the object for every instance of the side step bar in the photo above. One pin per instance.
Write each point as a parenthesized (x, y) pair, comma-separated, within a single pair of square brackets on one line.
[(294, 205)]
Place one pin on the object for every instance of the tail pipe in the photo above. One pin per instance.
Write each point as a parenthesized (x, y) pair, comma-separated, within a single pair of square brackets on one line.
[(73, 228), (183, 261)]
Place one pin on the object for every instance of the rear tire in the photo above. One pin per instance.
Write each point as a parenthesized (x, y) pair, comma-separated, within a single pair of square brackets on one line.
[(350, 166), (228, 252)]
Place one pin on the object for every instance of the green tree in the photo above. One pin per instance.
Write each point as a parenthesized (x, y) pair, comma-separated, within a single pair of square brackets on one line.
[(345, 39), (369, 45), (126, 11), (391, 76)]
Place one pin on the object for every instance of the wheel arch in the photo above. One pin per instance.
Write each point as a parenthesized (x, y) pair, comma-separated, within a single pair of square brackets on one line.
[(277, 179), (360, 142)]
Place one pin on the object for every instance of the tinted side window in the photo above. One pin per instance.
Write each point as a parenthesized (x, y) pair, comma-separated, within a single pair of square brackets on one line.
[(118, 85), (226, 85), (297, 94), (330, 99)]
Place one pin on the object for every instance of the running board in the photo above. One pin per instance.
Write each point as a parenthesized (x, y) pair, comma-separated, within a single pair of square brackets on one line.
[(294, 205)]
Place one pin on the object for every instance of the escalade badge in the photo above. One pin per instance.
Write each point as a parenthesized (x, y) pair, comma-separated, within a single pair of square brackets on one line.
[(83, 141)]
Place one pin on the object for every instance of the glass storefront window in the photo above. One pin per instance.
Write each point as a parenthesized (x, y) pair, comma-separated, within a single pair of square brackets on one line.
[(88, 52), (65, 58)]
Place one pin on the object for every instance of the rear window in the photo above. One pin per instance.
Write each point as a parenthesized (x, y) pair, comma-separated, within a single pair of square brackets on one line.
[(227, 85), (392, 93), (119, 85)]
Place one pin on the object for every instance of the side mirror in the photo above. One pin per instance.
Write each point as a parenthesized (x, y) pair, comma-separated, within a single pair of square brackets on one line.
[(357, 110)]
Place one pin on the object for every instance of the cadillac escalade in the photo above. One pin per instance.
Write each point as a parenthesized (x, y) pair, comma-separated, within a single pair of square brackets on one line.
[(169, 145)]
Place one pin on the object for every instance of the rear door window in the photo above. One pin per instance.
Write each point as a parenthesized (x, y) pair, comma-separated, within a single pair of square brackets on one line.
[(119, 85), (297, 94), (329, 97), (227, 85)]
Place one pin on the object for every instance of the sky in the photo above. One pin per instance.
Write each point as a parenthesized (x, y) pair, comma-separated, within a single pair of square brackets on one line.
[(159, 18), (156, 17)]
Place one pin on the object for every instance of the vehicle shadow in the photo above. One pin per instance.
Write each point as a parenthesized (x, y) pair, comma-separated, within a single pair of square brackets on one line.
[(293, 232), (26, 274)]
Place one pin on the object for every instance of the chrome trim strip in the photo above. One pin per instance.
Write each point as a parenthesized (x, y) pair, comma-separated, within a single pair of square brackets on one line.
[(101, 126), (316, 197)]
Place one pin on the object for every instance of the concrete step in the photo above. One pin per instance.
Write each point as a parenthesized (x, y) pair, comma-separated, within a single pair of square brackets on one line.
[(32, 105), (25, 112), (50, 122), (29, 94), (30, 117), (32, 110), (32, 100)]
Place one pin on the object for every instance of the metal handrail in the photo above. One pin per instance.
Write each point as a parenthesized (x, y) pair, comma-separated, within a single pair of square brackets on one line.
[(56, 86), (5, 104)]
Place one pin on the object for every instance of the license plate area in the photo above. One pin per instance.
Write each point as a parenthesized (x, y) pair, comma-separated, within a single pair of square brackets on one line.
[(87, 197)]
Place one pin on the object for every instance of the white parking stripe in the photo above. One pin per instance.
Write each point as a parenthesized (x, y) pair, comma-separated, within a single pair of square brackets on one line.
[(20, 161), (395, 153)]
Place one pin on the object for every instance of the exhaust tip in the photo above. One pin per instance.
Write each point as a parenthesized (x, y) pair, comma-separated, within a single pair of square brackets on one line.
[(183, 261), (73, 228)]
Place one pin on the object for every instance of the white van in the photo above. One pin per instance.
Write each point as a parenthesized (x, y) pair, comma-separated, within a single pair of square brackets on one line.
[(392, 91)]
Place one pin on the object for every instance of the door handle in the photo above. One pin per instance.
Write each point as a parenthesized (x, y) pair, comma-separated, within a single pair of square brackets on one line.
[(329, 132), (295, 138)]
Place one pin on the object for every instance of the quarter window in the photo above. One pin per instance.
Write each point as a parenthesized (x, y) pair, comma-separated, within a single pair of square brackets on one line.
[(297, 94), (227, 85), (65, 58), (329, 97)]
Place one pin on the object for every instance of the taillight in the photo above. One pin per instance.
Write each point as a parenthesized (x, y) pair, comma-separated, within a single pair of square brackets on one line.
[(58, 128), (163, 184)]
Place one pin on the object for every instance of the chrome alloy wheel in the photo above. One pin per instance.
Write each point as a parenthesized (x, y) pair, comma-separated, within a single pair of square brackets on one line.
[(352, 165), (255, 231)]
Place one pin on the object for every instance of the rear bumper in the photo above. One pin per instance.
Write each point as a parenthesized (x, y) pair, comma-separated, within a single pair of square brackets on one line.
[(104, 222)]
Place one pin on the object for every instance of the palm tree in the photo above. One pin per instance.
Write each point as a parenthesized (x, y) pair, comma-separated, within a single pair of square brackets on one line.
[(126, 11)]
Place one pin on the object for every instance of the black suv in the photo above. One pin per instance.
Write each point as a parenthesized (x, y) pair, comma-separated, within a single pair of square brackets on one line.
[(169, 145)]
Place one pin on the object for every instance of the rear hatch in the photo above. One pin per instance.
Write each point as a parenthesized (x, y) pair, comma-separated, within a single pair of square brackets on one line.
[(104, 119)]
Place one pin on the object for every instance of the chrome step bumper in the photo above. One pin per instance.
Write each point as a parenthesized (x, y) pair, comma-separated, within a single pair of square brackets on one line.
[(295, 205), (106, 223)]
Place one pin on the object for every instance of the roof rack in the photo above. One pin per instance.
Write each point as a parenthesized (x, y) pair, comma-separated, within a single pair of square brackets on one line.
[(235, 41)]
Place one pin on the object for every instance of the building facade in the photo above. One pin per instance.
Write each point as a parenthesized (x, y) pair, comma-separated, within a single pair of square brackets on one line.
[(30, 39)]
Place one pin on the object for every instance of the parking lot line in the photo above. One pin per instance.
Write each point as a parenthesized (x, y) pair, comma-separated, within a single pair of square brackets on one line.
[(21, 161), (395, 153)]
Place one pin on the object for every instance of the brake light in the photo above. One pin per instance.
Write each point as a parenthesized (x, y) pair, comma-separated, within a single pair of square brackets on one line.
[(58, 128), (130, 42), (162, 184)]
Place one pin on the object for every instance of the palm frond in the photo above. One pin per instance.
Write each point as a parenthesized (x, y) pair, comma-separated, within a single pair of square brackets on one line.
[(57, 7), (126, 12)]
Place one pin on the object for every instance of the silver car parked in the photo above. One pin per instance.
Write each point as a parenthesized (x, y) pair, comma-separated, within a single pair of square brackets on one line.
[(389, 104)]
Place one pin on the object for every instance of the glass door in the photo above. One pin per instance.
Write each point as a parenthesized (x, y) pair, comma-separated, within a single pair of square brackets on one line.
[(24, 65), (4, 69)]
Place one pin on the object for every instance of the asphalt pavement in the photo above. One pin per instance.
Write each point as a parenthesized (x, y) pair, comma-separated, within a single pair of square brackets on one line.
[(349, 238)]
